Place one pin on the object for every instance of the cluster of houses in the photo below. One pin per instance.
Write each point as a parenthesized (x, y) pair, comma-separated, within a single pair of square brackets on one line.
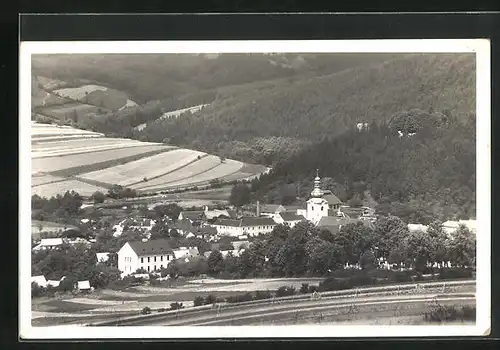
[(54, 243), (323, 209)]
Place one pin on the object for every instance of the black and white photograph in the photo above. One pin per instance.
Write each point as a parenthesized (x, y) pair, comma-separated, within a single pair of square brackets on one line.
[(255, 188)]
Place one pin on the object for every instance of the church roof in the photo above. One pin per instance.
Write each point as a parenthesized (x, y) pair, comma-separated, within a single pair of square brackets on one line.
[(332, 199), (291, 216)]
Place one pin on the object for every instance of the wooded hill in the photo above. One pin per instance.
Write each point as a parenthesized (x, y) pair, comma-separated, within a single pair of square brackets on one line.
[(431, 174)]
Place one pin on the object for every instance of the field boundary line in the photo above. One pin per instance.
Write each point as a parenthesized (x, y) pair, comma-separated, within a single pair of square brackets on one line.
[(171, 171), (188, 177)]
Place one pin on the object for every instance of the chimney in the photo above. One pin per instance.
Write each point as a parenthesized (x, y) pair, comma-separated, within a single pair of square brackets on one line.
[(258, 208)]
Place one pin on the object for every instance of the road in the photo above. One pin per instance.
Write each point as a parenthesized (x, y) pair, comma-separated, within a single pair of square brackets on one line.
[(331, 308)]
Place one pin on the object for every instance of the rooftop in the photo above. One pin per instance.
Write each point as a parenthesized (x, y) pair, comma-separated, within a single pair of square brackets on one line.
[(290, 216), (156, 246), (254, 221)]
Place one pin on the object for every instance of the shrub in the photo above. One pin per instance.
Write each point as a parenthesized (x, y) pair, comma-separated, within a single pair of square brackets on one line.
[(198, 301), (441, 314), (36, 290), (162, 309), (146, 311), (239, 298), (284, 291), (210, 299), (454, 273), (313, 289), (259, 295), (304, 288), (176, 306)]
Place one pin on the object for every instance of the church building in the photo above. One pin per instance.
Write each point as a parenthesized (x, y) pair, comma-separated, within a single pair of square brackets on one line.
[(322, 203)]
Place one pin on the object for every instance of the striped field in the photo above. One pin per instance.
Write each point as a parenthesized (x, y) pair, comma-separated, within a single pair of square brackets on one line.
[(64, 158)]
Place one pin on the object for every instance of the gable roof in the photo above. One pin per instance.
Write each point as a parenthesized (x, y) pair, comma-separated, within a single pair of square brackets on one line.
[(193, 214), (227, 222), (51, 241), (232, 213), (152, 247), (271, 208), (210, 214), (208, 230), (291, 216), (332, 199), (83, 285), (256, 221)]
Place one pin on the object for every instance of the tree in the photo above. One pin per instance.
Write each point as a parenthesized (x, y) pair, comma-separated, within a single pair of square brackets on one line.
[(417, 248), (388, 232), (240, 195), (215, 263), (98, 197), (462, 247), (355, 201)]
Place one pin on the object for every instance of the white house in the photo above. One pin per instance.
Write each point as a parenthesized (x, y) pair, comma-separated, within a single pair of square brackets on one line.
[(417, 227), (40, 280), (451, 226), (83, 285), (49, 243), (102, 257), (151, 255), (184, 252), (249, 226), (289, 218)]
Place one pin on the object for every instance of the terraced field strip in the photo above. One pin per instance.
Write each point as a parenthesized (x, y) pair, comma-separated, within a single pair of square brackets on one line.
[(153, 166), (42, 179), (42, 139), (198, 167), (76, 164), (92, 149), (54, 131), (77, 93), (71, 144), (222, 169), (49, 190)]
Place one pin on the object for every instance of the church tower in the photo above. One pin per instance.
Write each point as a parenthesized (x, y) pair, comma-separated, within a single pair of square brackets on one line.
[(317, 206)]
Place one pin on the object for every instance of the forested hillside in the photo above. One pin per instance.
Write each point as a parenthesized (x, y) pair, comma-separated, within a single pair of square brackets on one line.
[(416, 177), (326, 106), (166, 82)]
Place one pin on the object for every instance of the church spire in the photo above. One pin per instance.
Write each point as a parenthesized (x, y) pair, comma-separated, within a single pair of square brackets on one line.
[(317, 192)]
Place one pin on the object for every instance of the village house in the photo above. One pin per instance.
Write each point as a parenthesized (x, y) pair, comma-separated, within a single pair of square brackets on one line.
[(102, 257), (334, 224), (451, 226), (250, 226), (49, 243), (192, 215), (184, 252), (289, 218), (150, 255)]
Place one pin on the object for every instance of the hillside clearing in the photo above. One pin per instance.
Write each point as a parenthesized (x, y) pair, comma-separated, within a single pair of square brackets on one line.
[(52, 189)]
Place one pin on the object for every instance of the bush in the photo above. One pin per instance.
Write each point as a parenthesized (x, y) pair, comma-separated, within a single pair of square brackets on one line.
[(259, 295), (313, 289), (239, 298), (162, 309), (36, 290), (454, 273), (304, 288), (146, 311), (441, 314), (176, 306), (198, 301), (210, 299), (284, 291)]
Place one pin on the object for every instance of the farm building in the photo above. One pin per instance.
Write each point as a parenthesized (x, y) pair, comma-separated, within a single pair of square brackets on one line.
[(192, 216), (184, 252), (150, 256), (49, 243), (102, 257), (247, 225), (83, 285), (334, 224), (39, 280), (451, 226), (289, 218), (215, 213)]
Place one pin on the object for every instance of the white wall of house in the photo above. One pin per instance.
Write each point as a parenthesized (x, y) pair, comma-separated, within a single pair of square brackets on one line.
[(128, 261), (256, 230), (154, 262), (229, 230), (316, 209)]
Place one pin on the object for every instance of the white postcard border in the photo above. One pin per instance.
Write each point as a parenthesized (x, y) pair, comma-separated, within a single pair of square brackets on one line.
[(483, 188)]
